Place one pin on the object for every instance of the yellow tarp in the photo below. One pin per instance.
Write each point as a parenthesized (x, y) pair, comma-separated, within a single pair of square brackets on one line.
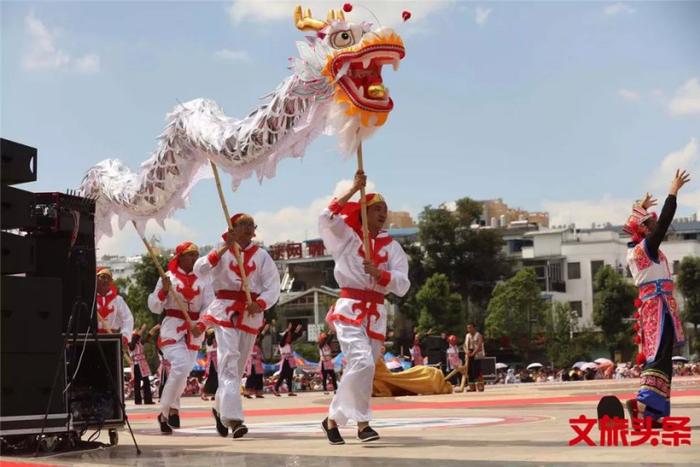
[(416, 380)]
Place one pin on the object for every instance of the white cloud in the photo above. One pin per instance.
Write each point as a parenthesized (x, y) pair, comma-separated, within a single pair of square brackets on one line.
[(388, 13), (583, 213), (687, 99), (127, 242), (685, 158), (481, 15), (43, 53), (615, 210), (628, 95), (232, 55), (294, 222), (617, 8), (89, 63)]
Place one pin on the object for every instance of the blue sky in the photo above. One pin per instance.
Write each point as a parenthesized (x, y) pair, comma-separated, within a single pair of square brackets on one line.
[(572, 107)]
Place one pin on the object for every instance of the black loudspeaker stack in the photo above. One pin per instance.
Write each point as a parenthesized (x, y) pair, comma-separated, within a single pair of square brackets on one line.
[(48, 289)]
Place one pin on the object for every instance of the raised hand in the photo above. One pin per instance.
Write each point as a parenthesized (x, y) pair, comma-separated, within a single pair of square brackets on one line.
[(360, 181), (648, 201), (682, 177)]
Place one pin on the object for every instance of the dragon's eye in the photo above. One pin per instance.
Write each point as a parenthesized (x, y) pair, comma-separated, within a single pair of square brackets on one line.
[(342, 39)]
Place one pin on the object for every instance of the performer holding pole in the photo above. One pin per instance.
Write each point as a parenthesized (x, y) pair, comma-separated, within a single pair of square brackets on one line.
[(181, 330), (659, 327), (236, 319), (359, 316)]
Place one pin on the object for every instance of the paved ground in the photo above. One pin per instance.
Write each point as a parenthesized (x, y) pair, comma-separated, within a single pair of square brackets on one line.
[(518, 424)]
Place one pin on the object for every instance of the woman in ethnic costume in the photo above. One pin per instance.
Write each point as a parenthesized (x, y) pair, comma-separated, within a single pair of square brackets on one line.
[(659, 327)]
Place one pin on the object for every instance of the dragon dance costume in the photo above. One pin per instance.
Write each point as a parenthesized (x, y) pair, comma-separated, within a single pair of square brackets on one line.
[(176, 342), (359, 315)]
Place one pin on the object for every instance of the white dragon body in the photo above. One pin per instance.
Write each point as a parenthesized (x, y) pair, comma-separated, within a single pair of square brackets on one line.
[(336, 88)]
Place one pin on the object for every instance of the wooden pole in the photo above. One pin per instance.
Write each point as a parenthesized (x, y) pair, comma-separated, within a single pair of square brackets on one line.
[(236, 249), (177, 298), (363, 208)]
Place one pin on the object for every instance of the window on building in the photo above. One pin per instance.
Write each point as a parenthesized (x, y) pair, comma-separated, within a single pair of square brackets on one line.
[(573, 270), (577, 306), (595, 267), (676, 266)]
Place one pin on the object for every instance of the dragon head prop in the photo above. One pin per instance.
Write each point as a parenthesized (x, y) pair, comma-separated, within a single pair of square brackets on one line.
[(336, 87), (349, 57)]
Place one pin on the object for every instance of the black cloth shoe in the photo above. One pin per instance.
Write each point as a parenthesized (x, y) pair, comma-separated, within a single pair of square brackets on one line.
[(164, 427), (174, 420), (220, 427), (333, 434), (367, 434), (239, 430)]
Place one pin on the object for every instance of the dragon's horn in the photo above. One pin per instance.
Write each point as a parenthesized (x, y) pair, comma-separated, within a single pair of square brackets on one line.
[(335, 15), (305, 22)]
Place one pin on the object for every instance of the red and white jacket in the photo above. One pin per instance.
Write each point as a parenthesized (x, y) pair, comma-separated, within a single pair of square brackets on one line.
[(228, 309), (655, 293), (361, 297), (114, 314), (195, 293)]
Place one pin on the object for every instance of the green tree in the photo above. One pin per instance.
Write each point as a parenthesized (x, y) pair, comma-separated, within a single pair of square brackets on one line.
[(689, 286), (517, 310), (613, 303), (440, 308), (471, 259), (565, 343)]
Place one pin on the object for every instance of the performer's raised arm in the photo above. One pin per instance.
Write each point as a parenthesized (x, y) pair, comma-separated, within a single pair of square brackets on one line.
[(660, 227), (204, 265), (334, 231)]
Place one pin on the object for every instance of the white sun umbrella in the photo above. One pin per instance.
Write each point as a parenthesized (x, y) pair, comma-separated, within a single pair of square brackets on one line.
[(501, 366), (589, 366), (679, 358), (578, 365), (532, 366), (603, 361)]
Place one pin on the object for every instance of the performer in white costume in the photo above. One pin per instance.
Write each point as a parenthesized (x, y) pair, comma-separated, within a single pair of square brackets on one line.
[(179, 340), (359, 316), (113, 314), (236, 322)]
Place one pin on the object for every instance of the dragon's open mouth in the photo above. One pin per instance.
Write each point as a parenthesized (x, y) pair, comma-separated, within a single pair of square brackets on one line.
[(361, 74)]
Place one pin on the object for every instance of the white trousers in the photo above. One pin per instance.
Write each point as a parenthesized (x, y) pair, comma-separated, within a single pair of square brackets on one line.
[(352, 400), (181, 361), (233, 348)]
